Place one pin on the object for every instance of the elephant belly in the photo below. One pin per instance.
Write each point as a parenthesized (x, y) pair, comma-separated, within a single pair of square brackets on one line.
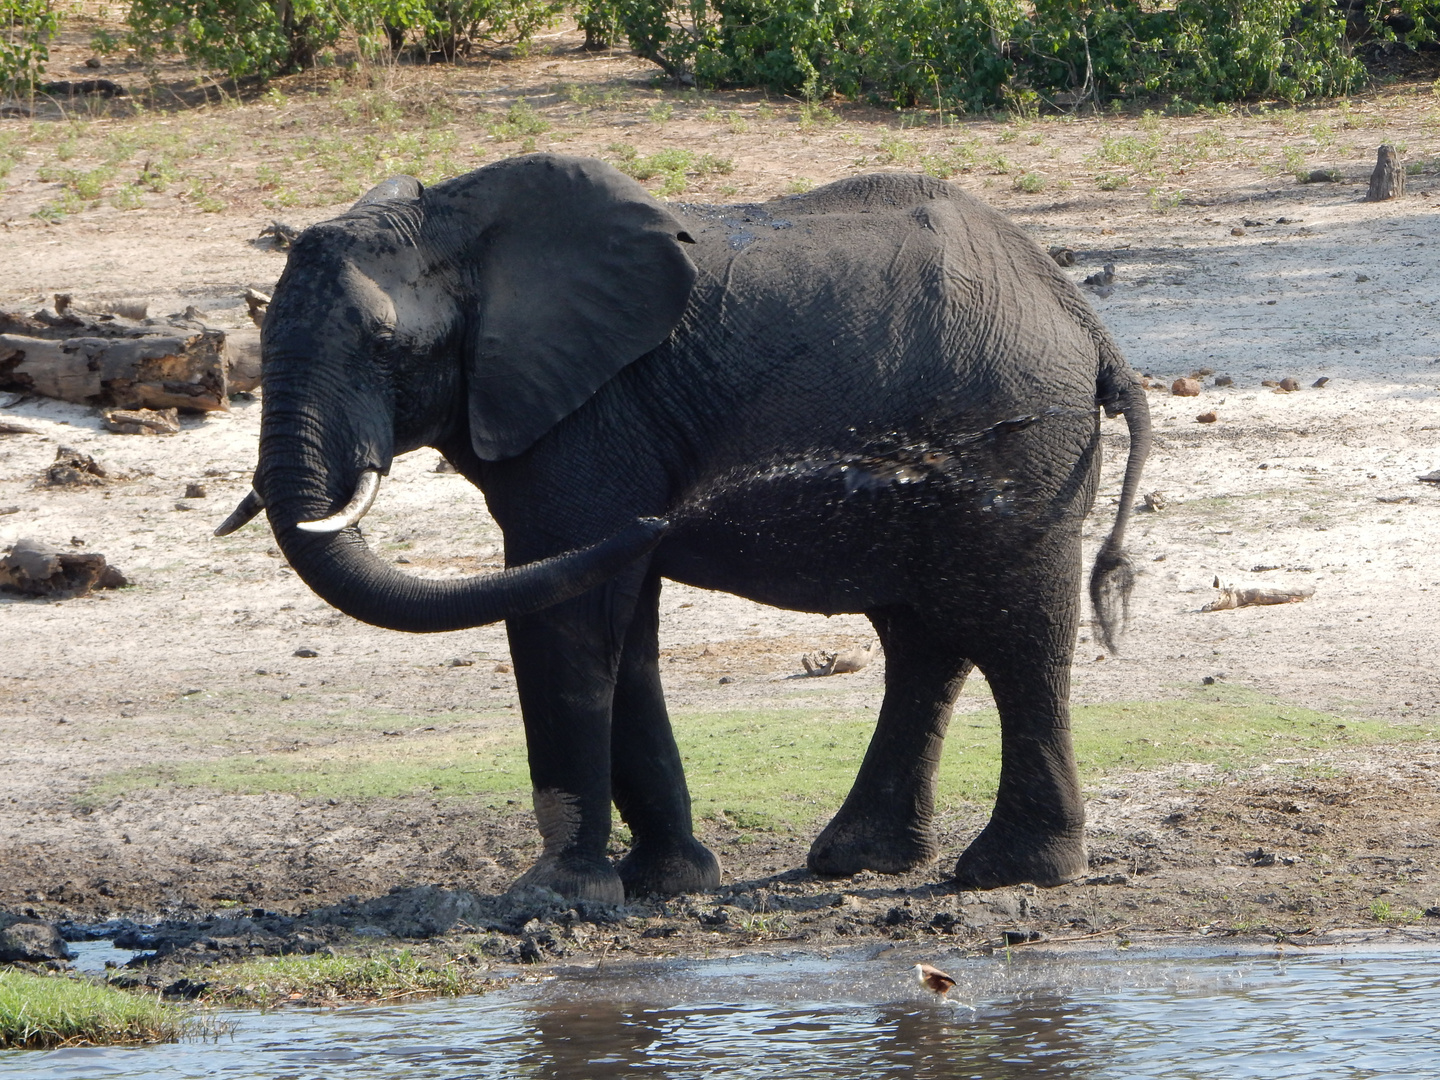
[(857, 533)]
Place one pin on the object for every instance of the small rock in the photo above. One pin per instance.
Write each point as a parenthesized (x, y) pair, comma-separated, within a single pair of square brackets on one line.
[(1224, 380), (1185, 388), (1063, 256), (726, 680), (1319, 384), (1322, 176), (30, 940), (1288, 385), (1155, 501), (1268, 382), (1200, 373), (92, 62), (195, 491), (1108, 879), (502, 669), (305, 653), (444, 466), (1206, 418), (460, 661), (402, 560), (1362, 278), (1237, 231)]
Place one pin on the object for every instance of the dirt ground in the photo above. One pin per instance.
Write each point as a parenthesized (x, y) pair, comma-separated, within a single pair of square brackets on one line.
[(1222, 260)]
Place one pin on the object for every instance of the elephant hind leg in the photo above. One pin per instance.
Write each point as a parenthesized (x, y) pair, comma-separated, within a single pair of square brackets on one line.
[(1036, 833), (647, 776), (887, 821)]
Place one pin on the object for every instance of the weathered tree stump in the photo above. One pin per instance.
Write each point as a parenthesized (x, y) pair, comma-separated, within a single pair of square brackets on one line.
[(37, 569), (107, 361), (1388, 179)]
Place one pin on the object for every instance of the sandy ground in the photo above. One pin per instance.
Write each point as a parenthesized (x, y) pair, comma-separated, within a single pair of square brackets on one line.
[(1314, 489)]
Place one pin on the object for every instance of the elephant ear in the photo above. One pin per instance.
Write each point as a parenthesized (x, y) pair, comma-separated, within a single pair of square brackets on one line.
[(579, 272)]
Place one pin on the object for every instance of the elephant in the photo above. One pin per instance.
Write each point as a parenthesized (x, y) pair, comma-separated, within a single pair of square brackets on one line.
[(878, 397)]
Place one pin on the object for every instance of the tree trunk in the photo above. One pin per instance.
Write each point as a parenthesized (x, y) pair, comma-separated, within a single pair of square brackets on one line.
[(108, 361)]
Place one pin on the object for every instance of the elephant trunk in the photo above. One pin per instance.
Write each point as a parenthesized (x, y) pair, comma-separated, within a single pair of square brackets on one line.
[(309, 469), (344, 572)]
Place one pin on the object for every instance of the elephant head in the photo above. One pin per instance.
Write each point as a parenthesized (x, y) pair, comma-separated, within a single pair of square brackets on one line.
[(494, 305)]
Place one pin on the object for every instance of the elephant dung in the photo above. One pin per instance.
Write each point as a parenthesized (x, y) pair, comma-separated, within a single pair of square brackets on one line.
[(1185, 387), (36, 569), (71, 468), (1207, 417)]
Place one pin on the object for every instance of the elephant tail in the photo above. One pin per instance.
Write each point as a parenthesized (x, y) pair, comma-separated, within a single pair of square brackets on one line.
[(1119, 391)]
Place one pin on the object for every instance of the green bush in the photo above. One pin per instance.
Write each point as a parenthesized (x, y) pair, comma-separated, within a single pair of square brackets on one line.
[(238, 37), (1196, 50), (453, 28), (275, 37), (986, 53), (26, 27)]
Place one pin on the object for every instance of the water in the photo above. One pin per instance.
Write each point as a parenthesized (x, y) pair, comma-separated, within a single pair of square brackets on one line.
[(1101, 1017), (92, 956)]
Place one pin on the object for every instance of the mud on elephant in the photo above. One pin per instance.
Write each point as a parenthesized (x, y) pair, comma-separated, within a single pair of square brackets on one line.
[(883, 378)]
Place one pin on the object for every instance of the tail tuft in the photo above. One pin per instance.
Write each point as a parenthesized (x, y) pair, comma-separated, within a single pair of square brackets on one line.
[(1110, 585)]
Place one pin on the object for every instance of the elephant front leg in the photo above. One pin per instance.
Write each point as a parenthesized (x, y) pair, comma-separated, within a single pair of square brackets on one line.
[(648, 777), (887, 821), (564, 670)]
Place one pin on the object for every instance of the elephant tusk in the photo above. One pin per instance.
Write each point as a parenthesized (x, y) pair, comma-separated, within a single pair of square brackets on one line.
[(249, 506), (355, 509)]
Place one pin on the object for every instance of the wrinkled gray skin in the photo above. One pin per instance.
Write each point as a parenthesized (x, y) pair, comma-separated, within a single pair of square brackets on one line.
[(876, 397)]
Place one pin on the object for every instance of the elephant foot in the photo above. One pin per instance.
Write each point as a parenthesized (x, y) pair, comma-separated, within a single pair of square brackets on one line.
[(997, 859), (667, 870), (574, 879), (851, 843)]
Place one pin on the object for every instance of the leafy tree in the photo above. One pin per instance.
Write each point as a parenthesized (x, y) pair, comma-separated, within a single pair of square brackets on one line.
[(26, 28)]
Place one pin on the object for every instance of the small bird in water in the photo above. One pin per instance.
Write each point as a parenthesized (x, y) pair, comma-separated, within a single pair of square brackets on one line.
[(932, 978)]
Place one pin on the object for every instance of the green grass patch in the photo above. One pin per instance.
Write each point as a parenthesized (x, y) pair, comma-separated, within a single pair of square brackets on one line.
[(392, 976), (38, 1012), (768, 768), (387, 767), (674, 168)]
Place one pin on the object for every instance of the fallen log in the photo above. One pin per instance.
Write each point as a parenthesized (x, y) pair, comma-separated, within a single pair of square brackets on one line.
[(108, 361), (843, 662), (1228, 598)]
